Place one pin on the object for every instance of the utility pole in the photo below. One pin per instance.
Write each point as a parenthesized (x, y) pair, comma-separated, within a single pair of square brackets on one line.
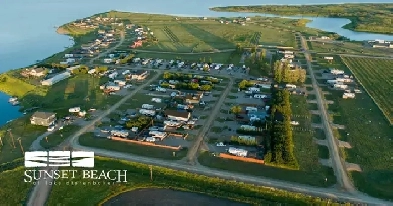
[(12, 137), (151, 172), (20, 144)]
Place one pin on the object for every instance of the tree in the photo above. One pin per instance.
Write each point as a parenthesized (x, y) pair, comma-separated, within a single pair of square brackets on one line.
[(206, 87), (253, 49), (243, 84), (3, 79), (236, 109)]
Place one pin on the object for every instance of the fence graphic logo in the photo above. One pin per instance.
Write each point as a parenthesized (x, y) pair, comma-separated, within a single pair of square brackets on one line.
[(59, 159)]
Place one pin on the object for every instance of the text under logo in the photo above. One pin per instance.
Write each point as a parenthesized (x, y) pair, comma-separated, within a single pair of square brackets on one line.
[(59, 159)]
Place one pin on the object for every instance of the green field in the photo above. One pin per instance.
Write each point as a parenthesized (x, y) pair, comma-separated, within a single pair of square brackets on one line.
[(58, 136), (139, 177), (364, 17), (13, 190), (376, 76), (347, 47), (8, 85), (369, 134)]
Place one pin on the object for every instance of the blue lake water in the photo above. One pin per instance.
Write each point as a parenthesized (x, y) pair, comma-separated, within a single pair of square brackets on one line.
[(27, 30)]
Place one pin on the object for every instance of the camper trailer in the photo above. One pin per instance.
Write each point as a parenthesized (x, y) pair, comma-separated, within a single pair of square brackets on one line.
[(248, 109), (172, 123), (238, 152), (147, 106), (158, 134), (290, 86), (259, 96), (113, 75), (156, 100), (254, 89), (160, 89), (119, 133), (348, 95), (147, 112), (74, 110)]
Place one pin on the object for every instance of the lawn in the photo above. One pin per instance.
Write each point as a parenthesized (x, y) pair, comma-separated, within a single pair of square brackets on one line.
[(376, 76), (89, 140), (346, 47), (58, 136), (20, 128), (13, 190), (78, 91), (370, 135), (223, 57), (138, 176), (13, 86)]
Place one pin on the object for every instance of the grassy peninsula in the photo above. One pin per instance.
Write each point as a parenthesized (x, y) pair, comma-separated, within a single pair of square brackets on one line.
[(376, 18)]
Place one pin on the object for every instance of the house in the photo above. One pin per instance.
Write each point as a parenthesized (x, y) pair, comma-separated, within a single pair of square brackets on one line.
[(36, 72), (191, 99), (139, 74), (177, 115), (43, 118), (55, 79)]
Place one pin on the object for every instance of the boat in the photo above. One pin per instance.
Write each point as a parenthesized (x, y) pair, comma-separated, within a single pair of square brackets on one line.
[(12, 99), (15, 103)]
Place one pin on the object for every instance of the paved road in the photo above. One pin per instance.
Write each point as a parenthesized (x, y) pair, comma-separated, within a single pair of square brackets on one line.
[(192, 153), (164, 52), (337, 163), (41, 191), (198, 169), (122, 38)]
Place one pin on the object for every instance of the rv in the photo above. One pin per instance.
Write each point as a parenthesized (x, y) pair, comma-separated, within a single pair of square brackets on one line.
[(181, 106), (126, 72), (172, 123), (336, 71), (160, 89), (158, 134), (147, 112), (331, 81), (251, 109), (150, 139), (74, 110), (248, 128), (147, 106), (156, 100), (259, 96), (291, 86), (238, 152), (348, 95), (254, 89), (119, 133), (340, 86), (113, 75)]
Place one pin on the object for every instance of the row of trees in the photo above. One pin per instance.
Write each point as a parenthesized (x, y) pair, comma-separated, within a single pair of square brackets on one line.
[(280, 144), (258, 60), (126, 59), (184, 77), (284, 74), (140, 122), (189, 86), (244, 84), (240, 141)]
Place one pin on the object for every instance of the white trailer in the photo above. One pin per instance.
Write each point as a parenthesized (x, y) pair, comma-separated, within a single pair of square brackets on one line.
[(332, 81), (251, 109), (259, 96), (181, 106), (160, 89), (147, 112), (74, 109), (147, 106), (172, 123), (238, 152), (340, 86), (336, 71), (158, 134), (348, 95), (248, 128), (156, 100), (113, 75), (126, 72), (150, 139), (119, 133), (254, 89), (345, 80), (290, 86)]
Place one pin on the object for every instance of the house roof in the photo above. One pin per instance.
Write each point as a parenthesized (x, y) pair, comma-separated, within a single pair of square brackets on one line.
[(177, 113), (42, 115)]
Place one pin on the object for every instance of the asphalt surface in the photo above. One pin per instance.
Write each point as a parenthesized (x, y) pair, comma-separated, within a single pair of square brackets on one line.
[(337, 163), (192, 153)]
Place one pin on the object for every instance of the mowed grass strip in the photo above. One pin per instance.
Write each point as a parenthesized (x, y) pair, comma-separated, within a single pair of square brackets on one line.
[(376, 76)]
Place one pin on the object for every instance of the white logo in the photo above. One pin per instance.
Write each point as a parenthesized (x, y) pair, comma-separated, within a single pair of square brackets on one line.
[(59, 159)]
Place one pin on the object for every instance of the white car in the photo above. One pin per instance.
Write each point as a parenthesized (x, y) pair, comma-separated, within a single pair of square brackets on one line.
[(51, 128)]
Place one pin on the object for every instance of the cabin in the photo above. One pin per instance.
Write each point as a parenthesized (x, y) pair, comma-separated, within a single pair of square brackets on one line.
[(43, 118)]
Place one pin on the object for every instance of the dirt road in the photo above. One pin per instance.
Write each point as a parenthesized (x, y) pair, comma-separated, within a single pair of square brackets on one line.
[(338, 167), (192, 152), (42, 190)]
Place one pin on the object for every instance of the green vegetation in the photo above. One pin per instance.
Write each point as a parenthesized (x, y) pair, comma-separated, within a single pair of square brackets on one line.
[(284, 74), (258, 63), (139, 177), (19, 128), (58, 136), (370, 136), (280, 145), (347, 47), (89, 140), (13, 86), (364, 17), (376, 77), (13, 190)]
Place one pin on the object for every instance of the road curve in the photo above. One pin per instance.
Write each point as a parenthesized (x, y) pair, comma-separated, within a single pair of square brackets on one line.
[(192, 153), (339, 170)]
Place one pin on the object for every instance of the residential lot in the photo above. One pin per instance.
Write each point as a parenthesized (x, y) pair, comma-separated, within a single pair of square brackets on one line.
[(165, 116)]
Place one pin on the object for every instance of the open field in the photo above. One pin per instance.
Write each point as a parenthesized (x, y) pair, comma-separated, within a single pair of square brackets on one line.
[(358, 14), (376, 76), (138, 176), (369, 134), (13, 190), (89, 140), (347, 47), (224, 57), (20, 128), (13, 86)]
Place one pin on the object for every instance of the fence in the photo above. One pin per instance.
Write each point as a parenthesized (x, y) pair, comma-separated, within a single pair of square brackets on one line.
[(244, 159), (145, 143)]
